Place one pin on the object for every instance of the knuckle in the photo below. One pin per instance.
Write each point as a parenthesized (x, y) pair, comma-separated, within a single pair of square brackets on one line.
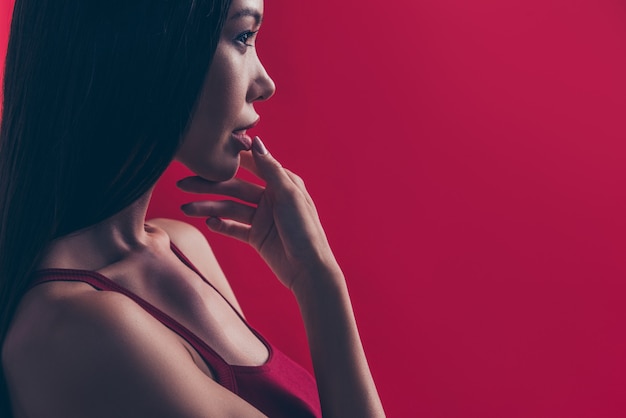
[(207, 209), (229, 205), (296, 178), (275, 164), (291, 194), (290, 188)]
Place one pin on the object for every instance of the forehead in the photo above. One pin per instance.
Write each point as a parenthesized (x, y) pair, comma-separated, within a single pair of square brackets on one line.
[(241, 9)]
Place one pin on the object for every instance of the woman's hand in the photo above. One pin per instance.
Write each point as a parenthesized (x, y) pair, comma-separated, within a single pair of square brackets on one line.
[(279, 220)]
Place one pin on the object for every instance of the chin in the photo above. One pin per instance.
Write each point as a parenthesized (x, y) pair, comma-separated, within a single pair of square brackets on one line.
[(216, 172)]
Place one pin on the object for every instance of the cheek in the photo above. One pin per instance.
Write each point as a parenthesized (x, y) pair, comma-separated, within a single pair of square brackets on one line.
[(206, 148), (226, 92)]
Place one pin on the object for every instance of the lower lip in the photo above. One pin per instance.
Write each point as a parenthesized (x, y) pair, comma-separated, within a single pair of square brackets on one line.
[(243, 141)]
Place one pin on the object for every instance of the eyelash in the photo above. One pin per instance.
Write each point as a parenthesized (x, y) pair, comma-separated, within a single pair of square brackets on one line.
[(245, 36)]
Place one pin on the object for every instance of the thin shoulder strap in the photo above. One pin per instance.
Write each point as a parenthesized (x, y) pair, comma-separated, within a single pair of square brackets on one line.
[(189, 264), (223, 371)]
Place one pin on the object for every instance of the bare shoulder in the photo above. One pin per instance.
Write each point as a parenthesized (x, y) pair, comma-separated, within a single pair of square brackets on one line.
[(50, 312), (92, 353), (60, 322), (186, 237), (63, 334), (191, 242)]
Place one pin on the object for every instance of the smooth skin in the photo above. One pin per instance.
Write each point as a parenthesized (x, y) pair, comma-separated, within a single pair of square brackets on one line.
[(286, 231), (73, 351)]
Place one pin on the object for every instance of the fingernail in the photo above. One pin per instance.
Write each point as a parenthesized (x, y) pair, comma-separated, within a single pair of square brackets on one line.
[(258, 146)]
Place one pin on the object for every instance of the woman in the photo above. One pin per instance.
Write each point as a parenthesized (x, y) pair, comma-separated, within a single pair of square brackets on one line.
[(105, 314)]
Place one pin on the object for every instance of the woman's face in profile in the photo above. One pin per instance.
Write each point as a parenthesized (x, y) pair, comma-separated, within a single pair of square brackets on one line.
[(235, 80)]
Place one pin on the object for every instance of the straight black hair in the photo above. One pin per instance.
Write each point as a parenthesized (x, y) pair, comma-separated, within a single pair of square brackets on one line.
[(97, 98)]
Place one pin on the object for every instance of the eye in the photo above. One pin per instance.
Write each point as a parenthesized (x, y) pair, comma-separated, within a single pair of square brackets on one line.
[(245, 37)]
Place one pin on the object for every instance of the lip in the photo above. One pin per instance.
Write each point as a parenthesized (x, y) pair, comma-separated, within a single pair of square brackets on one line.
[(245, 128), (243, 141)]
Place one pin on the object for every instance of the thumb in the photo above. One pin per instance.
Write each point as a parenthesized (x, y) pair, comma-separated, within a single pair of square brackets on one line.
[(268, 168)]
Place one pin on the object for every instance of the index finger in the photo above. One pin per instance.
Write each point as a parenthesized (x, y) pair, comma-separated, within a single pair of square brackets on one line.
[(248, 163), (266, 167)]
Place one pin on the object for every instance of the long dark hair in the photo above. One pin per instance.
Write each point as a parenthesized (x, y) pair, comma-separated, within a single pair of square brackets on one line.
[(97, 96)]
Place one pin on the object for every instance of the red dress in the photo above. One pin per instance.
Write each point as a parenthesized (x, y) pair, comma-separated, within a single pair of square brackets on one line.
[(278, 388)]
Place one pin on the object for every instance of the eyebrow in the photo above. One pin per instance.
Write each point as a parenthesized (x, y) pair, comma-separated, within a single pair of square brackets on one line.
[(248, 12)]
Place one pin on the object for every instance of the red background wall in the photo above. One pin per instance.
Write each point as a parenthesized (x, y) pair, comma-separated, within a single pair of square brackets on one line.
[(467, 159)]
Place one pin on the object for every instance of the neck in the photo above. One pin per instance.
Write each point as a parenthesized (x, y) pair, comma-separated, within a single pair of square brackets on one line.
[(104, 243)]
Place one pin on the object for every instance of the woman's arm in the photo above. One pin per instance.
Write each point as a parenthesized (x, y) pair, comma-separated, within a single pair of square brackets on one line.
[(283, 226), (345, 384)]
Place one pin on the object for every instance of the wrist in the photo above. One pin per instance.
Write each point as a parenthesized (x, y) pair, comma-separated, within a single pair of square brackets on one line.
[(318, 281)]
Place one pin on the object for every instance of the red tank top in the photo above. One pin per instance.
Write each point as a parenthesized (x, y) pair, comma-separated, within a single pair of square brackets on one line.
[(278, 388)]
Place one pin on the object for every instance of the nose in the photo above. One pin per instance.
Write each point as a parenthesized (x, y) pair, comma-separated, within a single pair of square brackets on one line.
[(263, 86)]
